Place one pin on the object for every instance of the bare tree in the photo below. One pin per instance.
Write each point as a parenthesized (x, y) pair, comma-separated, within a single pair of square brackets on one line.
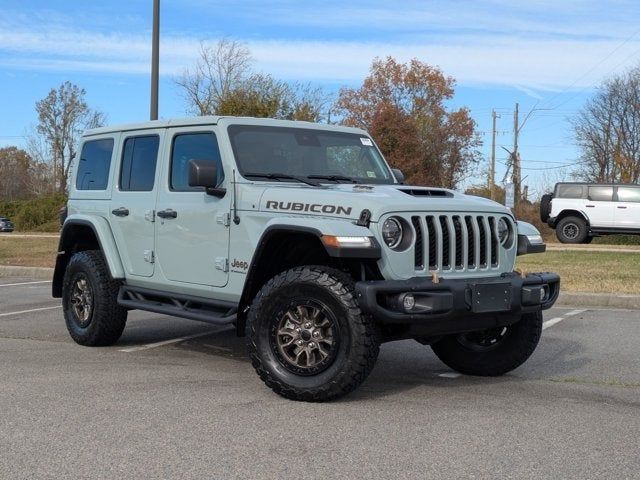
[(607, 130), (62, 116), (222, 83)]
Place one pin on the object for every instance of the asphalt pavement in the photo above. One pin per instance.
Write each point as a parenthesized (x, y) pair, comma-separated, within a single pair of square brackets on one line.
[(179, 399)]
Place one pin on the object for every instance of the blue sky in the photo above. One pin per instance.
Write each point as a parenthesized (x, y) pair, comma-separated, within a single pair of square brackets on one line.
[(545, 53)]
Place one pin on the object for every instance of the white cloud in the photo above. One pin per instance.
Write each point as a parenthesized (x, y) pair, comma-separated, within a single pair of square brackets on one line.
[(490, 58)]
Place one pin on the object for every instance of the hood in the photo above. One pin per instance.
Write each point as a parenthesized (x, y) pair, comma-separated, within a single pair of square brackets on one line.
[(347, 200)]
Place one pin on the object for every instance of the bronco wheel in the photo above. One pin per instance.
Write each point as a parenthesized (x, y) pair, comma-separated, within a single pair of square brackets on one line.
[(571, 230), (89, 301), (307, 338), (494, 351)]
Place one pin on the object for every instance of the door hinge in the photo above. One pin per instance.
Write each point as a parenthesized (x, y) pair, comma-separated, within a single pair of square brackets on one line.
[(149, 256), (224, 219), (222, 263), (150, 216)]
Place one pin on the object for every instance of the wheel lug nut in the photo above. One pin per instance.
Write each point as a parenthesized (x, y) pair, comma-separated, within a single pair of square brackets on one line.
[(316, 334), (307, 325), (311, 345), (298, 329), (300, 343)]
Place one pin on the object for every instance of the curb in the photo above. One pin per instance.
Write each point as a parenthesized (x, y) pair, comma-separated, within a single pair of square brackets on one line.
[(571, 299), (629, 302), (39, 273)]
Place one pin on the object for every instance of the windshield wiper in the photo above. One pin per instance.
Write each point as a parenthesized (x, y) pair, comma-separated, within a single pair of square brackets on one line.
[(333, 178), (283, 176)]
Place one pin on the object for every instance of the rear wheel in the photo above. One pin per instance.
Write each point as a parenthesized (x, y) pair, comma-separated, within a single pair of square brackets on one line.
[(493, 351), (308, 339), (572, 230), (90, 301)]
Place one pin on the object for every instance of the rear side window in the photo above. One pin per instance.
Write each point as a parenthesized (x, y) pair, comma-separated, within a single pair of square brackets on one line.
[(629, 194), (93, 167), (569, 191), (192, 146), (601, 194), (139, 158)]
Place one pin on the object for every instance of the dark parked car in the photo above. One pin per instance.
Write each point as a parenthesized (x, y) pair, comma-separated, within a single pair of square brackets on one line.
[(6, 225)]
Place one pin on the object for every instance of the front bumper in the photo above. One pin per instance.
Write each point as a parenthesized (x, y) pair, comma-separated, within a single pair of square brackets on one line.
[(457, 305)]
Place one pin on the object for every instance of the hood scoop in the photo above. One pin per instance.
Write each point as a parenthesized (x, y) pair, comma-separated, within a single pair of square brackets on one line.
[(426, 192)]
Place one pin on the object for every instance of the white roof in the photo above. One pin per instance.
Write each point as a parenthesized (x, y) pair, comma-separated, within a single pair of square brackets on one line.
[(213, 120)]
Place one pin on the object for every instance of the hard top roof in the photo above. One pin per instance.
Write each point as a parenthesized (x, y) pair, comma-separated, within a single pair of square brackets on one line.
[(214, 120)]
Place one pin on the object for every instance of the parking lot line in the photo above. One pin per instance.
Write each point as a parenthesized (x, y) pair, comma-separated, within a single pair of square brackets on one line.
[(29, 311), (168, 342), (24, 283), (573, 312)]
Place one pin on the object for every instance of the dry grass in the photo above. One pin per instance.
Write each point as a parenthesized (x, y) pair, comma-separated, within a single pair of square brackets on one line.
[(593, 272), (28, 252)]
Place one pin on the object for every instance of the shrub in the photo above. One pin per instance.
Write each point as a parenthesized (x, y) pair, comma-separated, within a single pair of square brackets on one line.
[(37, 214)]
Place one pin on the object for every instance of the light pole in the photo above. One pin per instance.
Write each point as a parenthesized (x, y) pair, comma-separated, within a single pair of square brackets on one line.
[(155, 59)]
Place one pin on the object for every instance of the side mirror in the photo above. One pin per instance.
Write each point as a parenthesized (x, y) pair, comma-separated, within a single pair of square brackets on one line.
[(204, 173), (398, 174)]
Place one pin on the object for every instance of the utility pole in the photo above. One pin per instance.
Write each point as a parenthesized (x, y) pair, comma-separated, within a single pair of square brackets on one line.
[(517, 176), (155, 60), (492, 168)]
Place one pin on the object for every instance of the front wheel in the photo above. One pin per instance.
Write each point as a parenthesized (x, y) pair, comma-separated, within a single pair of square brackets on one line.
[(308, 339), (494, 351)]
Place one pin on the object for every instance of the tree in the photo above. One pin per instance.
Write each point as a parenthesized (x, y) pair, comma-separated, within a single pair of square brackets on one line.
[(222, 83), (23, 175), (403, 106), (607, 131), (62, 116)]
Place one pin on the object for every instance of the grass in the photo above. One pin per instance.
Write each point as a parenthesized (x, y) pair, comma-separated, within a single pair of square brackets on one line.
[(593, 272), (28, 252)]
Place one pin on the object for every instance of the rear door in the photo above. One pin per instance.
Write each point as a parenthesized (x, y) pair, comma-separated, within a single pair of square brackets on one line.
[(192, 227), (600, 206), (133, 200), (628, 208)]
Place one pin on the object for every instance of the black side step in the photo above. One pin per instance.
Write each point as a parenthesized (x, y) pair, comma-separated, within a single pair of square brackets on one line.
[(186, 306)]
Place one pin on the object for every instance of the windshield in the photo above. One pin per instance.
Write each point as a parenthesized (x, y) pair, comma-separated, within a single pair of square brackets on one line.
[(329, 157)]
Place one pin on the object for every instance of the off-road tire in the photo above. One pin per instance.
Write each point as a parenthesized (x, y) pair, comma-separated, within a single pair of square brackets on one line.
[(545, 207), (107, 319), (358, 343), (513, 350), (576, 223)]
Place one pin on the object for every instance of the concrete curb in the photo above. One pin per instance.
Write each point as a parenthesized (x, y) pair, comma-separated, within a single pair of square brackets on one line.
[(572, 299), (579, 299), (39, 273)]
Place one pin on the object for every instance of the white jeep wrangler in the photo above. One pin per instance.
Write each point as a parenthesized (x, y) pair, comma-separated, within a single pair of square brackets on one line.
[(301, 236), (580, 211)]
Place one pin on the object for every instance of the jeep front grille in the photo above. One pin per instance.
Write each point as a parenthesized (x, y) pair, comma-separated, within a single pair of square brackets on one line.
[(455, 242)]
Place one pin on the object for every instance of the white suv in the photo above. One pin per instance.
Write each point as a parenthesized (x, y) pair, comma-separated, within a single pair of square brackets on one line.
[(580, 211)]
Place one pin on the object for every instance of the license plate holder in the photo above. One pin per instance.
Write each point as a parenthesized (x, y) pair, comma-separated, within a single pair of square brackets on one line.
[(490, 297)]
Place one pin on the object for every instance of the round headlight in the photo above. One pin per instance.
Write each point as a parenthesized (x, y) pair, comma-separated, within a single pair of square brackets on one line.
[(503, 231), (392, 232)]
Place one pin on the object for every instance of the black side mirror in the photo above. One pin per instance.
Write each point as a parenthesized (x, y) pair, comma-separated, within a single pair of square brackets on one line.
[(204, 173), (398, 174)]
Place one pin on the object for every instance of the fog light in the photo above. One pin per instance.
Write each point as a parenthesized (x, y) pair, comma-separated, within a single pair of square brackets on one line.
[(408, 302)]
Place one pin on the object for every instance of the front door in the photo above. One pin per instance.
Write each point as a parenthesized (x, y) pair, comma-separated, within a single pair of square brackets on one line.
[(192, 232), (133, 200), (628, 208)]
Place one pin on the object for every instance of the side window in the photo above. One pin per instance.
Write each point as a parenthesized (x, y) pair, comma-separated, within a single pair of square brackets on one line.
[(569, 191), (94, 163), (629, 194), (139, 158), (601, 194), (192, 146)]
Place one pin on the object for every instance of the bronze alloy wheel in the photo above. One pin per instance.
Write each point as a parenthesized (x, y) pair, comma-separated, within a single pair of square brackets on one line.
[(81, 300)]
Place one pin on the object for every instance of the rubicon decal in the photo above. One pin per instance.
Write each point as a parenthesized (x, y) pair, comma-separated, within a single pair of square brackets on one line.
[(309, 207)]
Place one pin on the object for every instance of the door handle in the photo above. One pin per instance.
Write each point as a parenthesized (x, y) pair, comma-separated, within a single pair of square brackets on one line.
[(168, 213), (120, 212), (621, 206), (590, 206)]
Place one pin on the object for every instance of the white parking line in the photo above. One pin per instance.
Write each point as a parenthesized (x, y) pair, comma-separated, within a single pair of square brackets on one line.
[(29, 311), (450, 375), (573, 312), (23, 283), (552, 322), (168, 342)]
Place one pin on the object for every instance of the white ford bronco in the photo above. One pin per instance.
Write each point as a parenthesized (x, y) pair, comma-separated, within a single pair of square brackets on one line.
[(580, 211), (301, 236)]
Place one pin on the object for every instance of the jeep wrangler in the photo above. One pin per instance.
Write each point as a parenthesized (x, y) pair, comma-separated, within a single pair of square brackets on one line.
[(304, 238)]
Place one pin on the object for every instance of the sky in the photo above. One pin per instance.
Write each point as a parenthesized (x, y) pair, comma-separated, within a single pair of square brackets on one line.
[(548, 56)]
